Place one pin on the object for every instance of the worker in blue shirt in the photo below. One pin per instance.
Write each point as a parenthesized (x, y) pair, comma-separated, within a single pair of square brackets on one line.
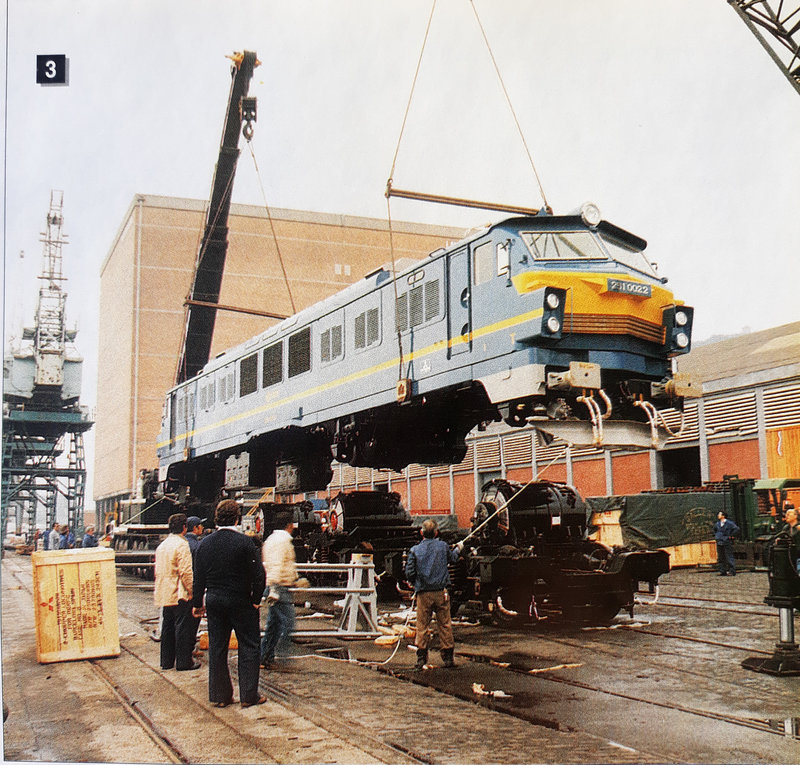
[(724, 531), (427, 570), (89, 539)]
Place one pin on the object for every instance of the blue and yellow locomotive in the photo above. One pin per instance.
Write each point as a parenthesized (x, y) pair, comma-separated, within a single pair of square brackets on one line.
[(556, 321)]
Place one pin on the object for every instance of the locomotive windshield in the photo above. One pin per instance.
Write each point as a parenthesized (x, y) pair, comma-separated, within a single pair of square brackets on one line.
[(584, 245)]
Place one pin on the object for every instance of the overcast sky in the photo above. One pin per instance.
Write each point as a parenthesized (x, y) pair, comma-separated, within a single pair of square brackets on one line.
[(669, 115)]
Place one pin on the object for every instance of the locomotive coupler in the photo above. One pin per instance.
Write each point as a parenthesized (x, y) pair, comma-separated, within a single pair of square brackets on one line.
[(784, 594)]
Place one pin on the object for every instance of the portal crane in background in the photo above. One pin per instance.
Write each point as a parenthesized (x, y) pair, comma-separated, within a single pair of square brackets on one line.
[(42, 415), (777, 28), (203, 300)]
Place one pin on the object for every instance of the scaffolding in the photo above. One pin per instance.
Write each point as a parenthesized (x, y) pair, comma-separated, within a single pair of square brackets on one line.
[(43, 421)]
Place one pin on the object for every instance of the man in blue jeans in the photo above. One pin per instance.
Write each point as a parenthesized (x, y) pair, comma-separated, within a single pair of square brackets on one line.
[(280, 566)]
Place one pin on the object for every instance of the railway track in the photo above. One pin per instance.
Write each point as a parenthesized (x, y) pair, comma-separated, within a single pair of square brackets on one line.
[(162, 740), (764, 726)]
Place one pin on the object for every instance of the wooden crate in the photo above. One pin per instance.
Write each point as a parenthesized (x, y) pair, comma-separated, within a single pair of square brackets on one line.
[(695, 554), (75, 601)]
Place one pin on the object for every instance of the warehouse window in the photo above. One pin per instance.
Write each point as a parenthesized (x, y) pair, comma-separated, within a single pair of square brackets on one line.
[(248, 375), (272, 365), (300, 352)]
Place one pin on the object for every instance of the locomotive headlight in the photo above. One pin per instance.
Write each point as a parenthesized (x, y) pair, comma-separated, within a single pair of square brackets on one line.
[(552, 300), (553, 324), (590, 214), (678, 320)]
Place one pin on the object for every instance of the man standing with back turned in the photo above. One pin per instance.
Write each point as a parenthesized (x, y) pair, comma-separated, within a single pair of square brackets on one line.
[(228, 571), (427, 570), (173, 592)]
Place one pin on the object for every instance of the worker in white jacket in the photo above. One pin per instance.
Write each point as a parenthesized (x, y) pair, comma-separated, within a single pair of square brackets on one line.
[(281, 570)]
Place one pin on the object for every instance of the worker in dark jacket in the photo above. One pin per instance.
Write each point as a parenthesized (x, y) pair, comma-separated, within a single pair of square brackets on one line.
[(228, 571), (427, 570), (194, 535), (724, 531), (792, 530)]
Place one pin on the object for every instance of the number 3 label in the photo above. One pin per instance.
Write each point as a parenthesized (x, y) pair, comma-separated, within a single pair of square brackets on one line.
[(51, 70)]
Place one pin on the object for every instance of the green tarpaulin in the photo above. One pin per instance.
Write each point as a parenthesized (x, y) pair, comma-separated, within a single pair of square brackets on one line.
[(652, 521)]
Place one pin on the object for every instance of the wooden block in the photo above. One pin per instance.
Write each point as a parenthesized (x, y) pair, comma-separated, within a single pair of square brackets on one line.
[(75, 602)]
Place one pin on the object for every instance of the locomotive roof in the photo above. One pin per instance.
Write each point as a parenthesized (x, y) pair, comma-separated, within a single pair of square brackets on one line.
[(377, 277)]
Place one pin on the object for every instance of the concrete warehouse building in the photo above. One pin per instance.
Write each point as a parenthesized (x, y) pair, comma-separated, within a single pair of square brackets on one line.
[(146, 278)]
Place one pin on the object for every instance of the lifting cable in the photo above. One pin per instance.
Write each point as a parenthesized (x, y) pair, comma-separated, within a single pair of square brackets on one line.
[(389, 183), (272, 227), (510, 105), (449, 200)]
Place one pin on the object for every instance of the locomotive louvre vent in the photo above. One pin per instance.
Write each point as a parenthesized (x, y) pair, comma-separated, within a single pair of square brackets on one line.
[(360, 331), (272, 364), (248, 375), (325, 346), (401, 312), (300, 352), (336, 341), (431, 299), (372, 326), (331, 343), (420, 304), (366, 328), (416, 307)]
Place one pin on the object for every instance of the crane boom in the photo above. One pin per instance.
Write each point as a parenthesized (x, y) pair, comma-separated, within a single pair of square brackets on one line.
[(777, 28), (201, 306)]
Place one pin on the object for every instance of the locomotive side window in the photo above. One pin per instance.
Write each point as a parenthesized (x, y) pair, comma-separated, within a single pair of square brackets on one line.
[(366, 329), (483, 262), (272, 365), (248, 375), (300, 352), (331, 346)]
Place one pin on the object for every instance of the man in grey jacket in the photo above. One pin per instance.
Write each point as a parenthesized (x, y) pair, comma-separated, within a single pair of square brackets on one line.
[(427, 570)]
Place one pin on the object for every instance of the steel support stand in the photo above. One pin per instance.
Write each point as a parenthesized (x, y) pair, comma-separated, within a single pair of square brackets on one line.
[(785, 661)]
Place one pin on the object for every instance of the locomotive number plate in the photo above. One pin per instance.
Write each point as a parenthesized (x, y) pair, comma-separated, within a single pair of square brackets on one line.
[(629, 288)]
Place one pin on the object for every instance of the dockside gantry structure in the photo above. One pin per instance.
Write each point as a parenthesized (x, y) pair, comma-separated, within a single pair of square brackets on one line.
[(43, 420)]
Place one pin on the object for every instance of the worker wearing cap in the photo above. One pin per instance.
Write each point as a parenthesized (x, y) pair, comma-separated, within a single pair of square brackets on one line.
[(427, 570), (194, 535), (194, 532)]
